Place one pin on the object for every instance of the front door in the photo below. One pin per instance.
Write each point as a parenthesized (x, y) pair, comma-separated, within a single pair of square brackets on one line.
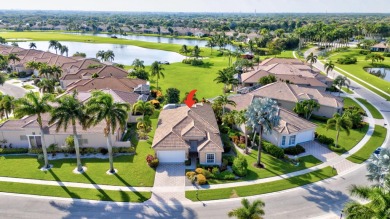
[(35, 141)]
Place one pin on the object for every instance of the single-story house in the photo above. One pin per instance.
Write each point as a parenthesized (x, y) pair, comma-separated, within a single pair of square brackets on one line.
[(380, 47), (182, 131)]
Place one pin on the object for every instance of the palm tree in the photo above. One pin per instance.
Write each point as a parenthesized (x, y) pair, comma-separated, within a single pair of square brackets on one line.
[(46, 85), (34, 104), (33, 45), (341, 81), (7, 104), (102, 107), (211, 43), (33, 65), (262, 115), (146, 108), (144, 125), (138, 64), (56, 71), (329, 66), (248, 210), (156, 70), (378, 166), (100, 54), (311, 58), (13, 57), (69, 112), (44, 70), (240, 119), (339, 122), (109, 56), (224, 100), (184, 49), (54, 44), (64, 49), (378, 205), (226, 77), (196, 51)]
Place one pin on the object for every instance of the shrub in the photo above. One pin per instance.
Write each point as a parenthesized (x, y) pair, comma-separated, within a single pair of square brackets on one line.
[(364, 52), (242, 146), (36, 81), (103, 151), (273, 150), (196, 62), (386, 54), (294, 150), (199, 170), (13, 150), (240, 165), (190, 175), (152, 161), (215, 170), (224, 164), (225, 175), (347, 60), (207, 174), (325, 140), (224, 129), (229, 158), (336, 149), (201, 179)]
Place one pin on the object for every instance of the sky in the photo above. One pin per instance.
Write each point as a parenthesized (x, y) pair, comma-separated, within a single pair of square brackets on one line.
[(261, 6)]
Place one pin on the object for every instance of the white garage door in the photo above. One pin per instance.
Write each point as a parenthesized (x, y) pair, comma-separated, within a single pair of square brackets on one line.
[(171, 156)]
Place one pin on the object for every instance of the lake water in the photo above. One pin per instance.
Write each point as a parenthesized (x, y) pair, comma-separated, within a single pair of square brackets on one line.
[(124, 54), (157, 39), (385, 72)]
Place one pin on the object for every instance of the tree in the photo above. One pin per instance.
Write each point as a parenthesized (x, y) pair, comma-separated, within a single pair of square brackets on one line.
[(311, 58), (240, 119), (44, 70), (378, 202), (34, 104), (14, 44), (378, 167), (7, 104), (267, 79), (54, 44), (70, 111), (144, 126), (100, 54), (172, 95), (56, 71), (13, 57), (156, 70), (211, 43), (184, 49), (339, 122), (33, 65), (2, 79), (306, 108), (226, 77), (64, 49), (196, 51), (2, 41), (79, 54), (224, 100), (341, 81), (262, 115), (138, 64), (248, 210), (329, 66), (109, 56), (139, 73), (101, 107), (145, 108), (46, 85), (33, 45)]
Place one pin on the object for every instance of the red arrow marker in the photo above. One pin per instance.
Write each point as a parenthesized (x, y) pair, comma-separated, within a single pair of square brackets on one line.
[(189, 101)]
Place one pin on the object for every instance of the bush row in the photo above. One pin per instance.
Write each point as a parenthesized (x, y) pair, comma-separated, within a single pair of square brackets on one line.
[(13, 150), (324, 139), (84, 150), (193, 62), (273, 150), (294, 150), (347, 60)]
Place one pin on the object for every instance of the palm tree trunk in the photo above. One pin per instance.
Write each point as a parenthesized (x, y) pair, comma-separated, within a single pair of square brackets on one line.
[(157, 83), (77, 148), (337, 137), (259, 147), (44, 149), (246, 141), (110, 157)]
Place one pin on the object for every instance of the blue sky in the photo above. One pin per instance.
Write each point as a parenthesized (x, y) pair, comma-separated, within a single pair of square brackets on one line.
[(261, 6)]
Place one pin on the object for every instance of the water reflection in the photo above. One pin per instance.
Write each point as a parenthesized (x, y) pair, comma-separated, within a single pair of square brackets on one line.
[(379, 72)]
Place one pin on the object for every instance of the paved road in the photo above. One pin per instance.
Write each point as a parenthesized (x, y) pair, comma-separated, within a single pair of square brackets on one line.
[(12, 90), (319, 200)]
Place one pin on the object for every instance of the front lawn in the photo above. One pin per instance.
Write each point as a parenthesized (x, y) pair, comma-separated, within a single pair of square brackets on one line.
[(28, 87), (374, 111), (274, 167), (73, 192), (376, 140), (262, 188), (348, 102), (345, 141), (132, 169)]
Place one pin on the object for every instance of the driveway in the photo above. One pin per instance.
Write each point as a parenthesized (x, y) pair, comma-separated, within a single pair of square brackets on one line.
[(12, 90), (169, 184)]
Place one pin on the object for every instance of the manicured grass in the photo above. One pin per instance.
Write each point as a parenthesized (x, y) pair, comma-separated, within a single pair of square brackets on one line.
[(375, 113), (345, 141), (347, 90), (348, 102), (274, 167), (28, 87), (376, 140), (132, 169), (262, 188), (358, 71), (73, 192)]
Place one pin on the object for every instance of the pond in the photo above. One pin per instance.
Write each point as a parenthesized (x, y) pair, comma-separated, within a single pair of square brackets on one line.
[(157, 39), (379, 72), (124, 54)]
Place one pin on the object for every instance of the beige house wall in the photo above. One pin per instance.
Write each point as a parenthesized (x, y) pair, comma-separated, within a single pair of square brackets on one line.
[(202, 157), (14, 137)]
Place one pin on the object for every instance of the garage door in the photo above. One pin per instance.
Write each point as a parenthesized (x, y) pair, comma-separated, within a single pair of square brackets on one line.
[(171, 156)]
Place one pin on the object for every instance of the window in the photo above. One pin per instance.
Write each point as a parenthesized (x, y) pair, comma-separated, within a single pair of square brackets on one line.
[(83, 141), (283, 140), (210, 158), (23, 138), (292, 140)]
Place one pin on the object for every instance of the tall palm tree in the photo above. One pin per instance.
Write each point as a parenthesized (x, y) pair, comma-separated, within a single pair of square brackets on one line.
[(54, 44), (329, 66), (138, 64), (224, 100), (248, 210), (44, 70), (184, 49), (70, 111), (109, 56), (56, 71), (33, 45), (64, 49), (339, 122), (100, 54), (341, 81), (7, 104), (46, 85), (262, 115), (146, 108), (311, 58), (102, 107), (34, 104), (33, 65), (378, 166), (378, 205), (226, 77), (240, 119), (211, 43), (156, 70), (196, 51), (13, 57)]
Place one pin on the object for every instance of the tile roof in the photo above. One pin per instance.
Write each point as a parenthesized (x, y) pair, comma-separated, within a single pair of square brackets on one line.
[(120, 84), (271, 61)]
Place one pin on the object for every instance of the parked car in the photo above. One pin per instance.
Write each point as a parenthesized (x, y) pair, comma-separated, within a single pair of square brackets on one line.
[(164, 62), (378, 151)]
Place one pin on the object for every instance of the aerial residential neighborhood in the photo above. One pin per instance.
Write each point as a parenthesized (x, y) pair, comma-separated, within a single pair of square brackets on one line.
[(194, 110)]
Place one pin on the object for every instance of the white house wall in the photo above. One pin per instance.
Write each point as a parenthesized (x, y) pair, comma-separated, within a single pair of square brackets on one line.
[(14, 137)]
